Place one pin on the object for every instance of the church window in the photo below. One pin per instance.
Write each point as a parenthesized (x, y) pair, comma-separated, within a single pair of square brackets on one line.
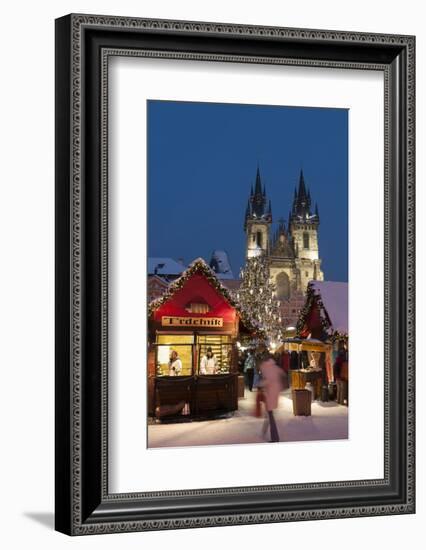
[(306, 240), (259, 238), (283, 286)]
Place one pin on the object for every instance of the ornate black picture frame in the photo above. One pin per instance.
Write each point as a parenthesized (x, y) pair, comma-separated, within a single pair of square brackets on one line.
[(83, 45)]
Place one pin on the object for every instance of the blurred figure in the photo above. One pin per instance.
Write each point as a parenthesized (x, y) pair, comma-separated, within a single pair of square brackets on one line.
[(271, 384), (260, 355), (340, 375), (208, 363), (175, 364), (242, 356), (249, 366), (284, 363)]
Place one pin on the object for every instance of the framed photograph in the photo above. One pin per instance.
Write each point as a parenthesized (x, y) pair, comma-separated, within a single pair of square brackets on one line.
[(234, 268)]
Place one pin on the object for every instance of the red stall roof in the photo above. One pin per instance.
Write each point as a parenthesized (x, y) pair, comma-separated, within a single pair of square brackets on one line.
[(326, 308), (199, 283)]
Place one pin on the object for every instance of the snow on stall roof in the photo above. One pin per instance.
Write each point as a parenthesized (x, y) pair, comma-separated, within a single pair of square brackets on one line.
[(334, 296), (164, 266)]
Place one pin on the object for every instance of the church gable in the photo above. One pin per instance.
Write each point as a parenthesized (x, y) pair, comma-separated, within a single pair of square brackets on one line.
[(281, 246)]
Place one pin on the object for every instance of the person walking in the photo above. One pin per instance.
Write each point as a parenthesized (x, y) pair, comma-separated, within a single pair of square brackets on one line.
[(272, 383), (249, 366)]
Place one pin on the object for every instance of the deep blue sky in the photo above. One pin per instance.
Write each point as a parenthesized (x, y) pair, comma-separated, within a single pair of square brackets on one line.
[(202, 160)]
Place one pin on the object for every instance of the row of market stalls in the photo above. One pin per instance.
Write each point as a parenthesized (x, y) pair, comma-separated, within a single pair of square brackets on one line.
[(196, 330)]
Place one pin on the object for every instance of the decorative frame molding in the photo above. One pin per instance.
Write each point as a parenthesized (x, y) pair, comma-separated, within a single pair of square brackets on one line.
[(84, 43)]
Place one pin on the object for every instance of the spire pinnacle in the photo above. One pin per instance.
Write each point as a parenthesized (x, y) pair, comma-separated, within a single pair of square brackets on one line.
[(302, 187), (258, 185), (258, 205)]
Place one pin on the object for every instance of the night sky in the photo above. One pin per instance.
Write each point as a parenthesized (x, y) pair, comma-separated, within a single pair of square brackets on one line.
[(202, 160)]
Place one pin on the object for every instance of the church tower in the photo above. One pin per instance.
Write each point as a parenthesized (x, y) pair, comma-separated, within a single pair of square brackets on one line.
[(303, 226), (291, 249), (257, 221)]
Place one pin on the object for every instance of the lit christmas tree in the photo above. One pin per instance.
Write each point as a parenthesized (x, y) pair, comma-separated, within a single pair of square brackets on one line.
[(256, 296)]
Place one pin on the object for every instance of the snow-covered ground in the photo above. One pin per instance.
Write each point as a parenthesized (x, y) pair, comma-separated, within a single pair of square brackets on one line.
[(328, 421)]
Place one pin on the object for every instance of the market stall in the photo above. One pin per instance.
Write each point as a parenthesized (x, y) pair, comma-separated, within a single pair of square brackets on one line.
[(307, 360), (323, 322), (193, 360)]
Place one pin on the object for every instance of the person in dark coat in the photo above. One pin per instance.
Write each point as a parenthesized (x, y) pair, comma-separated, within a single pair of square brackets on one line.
[(249, 367)]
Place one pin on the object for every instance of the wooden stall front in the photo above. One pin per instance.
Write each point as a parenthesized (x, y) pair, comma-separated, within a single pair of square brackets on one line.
[(314, 369), (193, 358)]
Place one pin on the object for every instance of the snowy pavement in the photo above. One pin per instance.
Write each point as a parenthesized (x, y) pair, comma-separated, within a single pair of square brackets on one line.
[(328, 421)]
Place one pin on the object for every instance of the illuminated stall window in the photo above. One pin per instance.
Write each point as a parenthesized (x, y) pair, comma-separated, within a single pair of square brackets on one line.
[(182, 344), (221, 348)]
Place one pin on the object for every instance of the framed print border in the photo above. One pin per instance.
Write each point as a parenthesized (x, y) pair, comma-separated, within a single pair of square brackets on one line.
[(106, 55), (84, 44)]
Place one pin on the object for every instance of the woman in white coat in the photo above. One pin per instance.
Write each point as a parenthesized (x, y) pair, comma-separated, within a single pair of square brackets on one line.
[(175, 364), (208, 364)]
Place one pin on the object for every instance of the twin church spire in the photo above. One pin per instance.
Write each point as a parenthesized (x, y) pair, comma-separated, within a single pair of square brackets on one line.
[(291, 248), (260, 208)]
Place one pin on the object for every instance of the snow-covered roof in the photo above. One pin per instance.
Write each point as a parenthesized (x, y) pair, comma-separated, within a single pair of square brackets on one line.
[(221, 265), (334, 296), (158, 280), (164, 266)]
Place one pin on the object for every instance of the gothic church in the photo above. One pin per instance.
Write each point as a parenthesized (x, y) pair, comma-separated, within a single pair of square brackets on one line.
[(292, 250)]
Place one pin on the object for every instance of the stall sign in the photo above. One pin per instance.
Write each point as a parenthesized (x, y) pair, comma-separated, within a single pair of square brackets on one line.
[(211, 322), (314, 346)]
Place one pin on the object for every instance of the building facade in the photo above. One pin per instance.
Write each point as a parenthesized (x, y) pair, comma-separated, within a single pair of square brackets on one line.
[(292, 249)]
